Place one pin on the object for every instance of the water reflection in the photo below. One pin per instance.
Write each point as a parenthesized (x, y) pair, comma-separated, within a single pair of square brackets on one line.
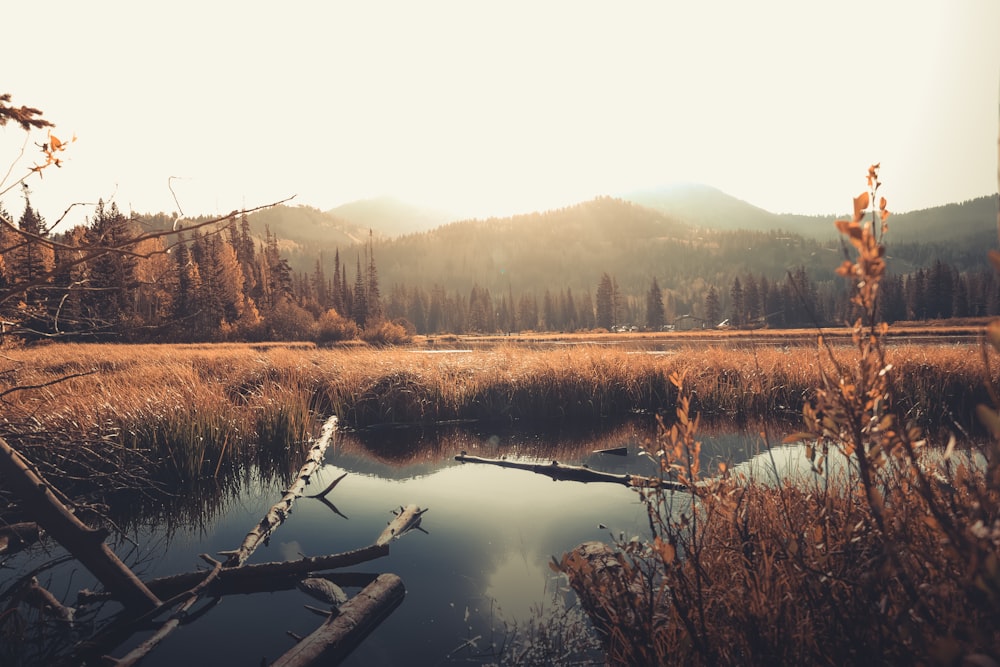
[(482, 563)]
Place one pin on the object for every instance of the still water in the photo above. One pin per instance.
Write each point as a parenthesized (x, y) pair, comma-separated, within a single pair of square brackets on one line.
[(479, 570)]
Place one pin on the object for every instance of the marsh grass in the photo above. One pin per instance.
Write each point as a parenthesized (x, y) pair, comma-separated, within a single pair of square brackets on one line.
[(888, 554), (191, 412)]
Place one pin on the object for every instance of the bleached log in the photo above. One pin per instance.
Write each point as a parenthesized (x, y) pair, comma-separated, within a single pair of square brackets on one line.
[(406, 520), (263, 577), (340, 634), (558, 471), (280, 511), (84, 543)]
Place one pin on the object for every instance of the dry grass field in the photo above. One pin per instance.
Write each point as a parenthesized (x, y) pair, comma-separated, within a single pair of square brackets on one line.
[(189, 406)]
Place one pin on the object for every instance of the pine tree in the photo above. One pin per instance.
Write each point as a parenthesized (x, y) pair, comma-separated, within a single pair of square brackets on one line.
[(655, 315), (713, 309), (751, 300), (570, 317), (549, 312), (185, 305), (319, 285), (359, 302), (605, 302), (736, 303), (373, 297), (33, 259), (111, 283), (337, 297)]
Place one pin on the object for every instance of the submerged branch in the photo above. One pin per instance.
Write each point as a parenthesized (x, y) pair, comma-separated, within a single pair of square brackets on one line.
[(560, 472)]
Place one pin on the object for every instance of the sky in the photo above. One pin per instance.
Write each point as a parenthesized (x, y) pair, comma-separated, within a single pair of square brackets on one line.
[(497, 108)]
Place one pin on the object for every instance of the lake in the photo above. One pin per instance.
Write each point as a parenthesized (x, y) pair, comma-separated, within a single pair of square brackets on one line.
[(480, 570)]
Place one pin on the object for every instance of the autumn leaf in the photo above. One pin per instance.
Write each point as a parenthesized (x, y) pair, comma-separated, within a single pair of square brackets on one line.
[(860, 204)]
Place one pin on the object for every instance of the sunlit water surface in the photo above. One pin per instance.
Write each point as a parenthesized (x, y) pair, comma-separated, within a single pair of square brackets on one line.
[(480, 568)]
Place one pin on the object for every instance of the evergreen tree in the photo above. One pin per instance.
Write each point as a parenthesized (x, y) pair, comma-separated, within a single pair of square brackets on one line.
[(373, 297), (736, 303), (33, 259), (570, 317), (319, 285), (713, 309), (549, 312), (655, 315), (186, 305), (417, 310), (605, 302), (751, 300), (111, 283), (435, 315), (337, 297), (359, 302)]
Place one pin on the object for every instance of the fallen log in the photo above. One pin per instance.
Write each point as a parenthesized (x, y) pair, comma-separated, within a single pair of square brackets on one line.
[(264, 577), (280, 511), (84, 543), (142, 650), (560, 472), (341, 633), (407, 519), (40, 598)]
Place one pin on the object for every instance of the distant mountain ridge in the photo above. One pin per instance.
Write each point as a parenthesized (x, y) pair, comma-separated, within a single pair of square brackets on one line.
[(389, 216), (708, 207), (684, 232)]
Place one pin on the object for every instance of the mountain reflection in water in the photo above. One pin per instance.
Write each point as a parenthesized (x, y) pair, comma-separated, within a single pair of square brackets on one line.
[(481, 567)]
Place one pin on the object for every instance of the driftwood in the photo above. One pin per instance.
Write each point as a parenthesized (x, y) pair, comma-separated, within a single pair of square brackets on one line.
[(18, 536), (40, 598), (84, 543), (323, 590), (558, 471), (407, 519), (143, 649), (342, 632), (280, 511), (261, 577)]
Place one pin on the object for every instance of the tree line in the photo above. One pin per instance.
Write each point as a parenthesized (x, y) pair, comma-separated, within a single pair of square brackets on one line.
[(222, 283)]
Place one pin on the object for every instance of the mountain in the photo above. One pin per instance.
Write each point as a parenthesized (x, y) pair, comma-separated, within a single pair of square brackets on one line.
[(705, 206), (571, 247), (687, 237), (389, 217), (970, 222), (302, 229)]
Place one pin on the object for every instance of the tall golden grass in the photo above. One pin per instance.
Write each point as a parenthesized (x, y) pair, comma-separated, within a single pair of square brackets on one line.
[(889, 554), (192, 406)]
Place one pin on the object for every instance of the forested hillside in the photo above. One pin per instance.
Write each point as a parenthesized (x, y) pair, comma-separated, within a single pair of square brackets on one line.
[(299, 273)]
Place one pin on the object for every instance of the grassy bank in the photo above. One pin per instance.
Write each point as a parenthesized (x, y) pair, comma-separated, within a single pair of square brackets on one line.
[(188, 407)]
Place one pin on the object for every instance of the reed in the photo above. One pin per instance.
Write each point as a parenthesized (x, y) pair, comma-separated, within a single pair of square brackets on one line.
[(887, 554), (196, 408)]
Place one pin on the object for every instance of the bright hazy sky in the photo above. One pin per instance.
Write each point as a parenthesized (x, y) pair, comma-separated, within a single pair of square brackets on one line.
[(483, 108)]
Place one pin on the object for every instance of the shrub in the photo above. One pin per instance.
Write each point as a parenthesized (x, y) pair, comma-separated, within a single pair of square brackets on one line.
[(890, 555), (386, 333), (333, 327)]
